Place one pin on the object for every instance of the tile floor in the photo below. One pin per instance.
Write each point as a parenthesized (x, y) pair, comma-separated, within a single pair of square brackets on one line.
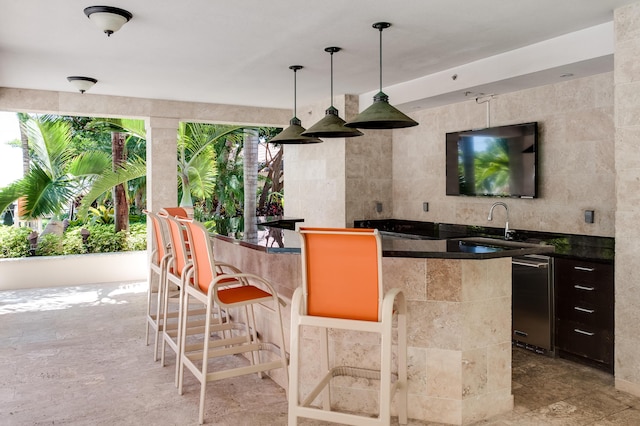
[(75, 356)]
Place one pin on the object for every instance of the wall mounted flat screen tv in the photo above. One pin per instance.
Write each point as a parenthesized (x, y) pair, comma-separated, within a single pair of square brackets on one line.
[(493, 162)]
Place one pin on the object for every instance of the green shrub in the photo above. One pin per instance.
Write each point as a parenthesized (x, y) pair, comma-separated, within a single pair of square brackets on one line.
[(72, 242), (14, 242), (101, 215), (103, 239), (49, 245), (137, 238), (137, 218)]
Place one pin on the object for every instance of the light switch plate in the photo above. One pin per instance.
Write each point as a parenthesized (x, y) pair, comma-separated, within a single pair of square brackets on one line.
[(588, 216)]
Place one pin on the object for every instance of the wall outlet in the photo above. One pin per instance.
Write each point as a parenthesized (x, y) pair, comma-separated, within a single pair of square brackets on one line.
[(425, 207), (589, 216), (379, 207)]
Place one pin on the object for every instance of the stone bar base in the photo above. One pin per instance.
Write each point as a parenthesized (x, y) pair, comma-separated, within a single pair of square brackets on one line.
[(459, 333)]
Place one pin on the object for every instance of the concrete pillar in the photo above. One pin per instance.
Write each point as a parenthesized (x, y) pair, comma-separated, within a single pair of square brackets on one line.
[(162, 181)]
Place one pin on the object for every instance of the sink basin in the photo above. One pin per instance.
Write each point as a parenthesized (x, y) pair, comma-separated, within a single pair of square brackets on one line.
[(495, 242), (489, 245)]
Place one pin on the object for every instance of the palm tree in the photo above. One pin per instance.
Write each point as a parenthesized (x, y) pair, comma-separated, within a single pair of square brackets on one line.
[(250, 174), (197, 169), (56, 176), (24, 139), (199, 159)]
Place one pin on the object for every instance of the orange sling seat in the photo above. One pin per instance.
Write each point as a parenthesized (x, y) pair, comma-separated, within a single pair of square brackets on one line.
[(342, 289), (158, 261), (215, 284)]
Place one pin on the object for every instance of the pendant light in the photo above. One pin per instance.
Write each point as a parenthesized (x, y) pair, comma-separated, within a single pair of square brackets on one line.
[(381, 115), (292, 134), (331, 126)]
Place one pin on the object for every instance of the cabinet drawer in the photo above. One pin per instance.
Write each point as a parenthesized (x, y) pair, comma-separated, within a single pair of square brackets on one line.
[(595, 315), (593, 343), (588, 282), (582, 271)]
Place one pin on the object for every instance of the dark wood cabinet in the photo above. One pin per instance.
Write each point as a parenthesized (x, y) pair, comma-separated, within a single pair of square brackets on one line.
[(584, 311)]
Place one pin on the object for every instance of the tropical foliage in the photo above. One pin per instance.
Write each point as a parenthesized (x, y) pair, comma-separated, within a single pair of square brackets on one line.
[(57, 175), (72, 172)]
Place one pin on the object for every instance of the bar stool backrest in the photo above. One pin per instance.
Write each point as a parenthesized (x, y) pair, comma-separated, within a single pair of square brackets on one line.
[(201, 254), (159, 239), (341, 273), (174, 212), (178, 245)]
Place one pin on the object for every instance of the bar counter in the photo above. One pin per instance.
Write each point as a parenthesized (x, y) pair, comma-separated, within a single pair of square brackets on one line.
[(459, 319)]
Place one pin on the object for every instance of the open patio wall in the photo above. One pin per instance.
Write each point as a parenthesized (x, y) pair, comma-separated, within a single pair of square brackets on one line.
[(72, 270)]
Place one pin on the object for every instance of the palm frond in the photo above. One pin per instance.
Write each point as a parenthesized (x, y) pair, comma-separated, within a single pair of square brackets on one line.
[(9, 194), (123, 125), (89, 164), (202, 176), (109, 179), (45, 196), (50, 141)]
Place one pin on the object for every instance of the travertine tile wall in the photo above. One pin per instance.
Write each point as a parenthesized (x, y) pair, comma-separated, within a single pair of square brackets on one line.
[(340, 180), (576, 159), (627, 113)]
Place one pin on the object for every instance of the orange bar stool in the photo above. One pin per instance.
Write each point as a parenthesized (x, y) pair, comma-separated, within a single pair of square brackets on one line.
[(342, 289), (174, 212), (158, 261), (213, 284), (174, 284)]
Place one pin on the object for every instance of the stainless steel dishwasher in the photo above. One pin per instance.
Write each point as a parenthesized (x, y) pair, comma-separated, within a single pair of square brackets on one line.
[(532, 306)]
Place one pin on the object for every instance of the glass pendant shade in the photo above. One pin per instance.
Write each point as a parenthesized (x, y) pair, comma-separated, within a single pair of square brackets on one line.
[(331, 126), (108, 19), (381, 114), (293, 133)]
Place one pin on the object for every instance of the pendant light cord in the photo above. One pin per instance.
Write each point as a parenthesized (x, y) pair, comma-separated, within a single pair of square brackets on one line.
[(380, 28), (331, 53), (295, 95)]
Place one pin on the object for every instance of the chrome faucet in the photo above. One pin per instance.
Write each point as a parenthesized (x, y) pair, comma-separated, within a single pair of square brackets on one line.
[(507, 232)]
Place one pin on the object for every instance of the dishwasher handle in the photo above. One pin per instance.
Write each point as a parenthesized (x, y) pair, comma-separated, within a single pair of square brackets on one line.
[(530, 263)]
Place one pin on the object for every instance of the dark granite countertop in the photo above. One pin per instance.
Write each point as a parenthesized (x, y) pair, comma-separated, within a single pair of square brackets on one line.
[(401, 238), (564, 245)]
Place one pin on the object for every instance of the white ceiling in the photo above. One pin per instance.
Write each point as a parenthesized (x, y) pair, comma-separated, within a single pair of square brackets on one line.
[(238, 52)]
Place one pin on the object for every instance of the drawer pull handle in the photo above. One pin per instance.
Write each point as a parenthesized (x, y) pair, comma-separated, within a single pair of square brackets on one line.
[(584, 269), (588, 311), (586, 333), (581, 287), (520, 333)]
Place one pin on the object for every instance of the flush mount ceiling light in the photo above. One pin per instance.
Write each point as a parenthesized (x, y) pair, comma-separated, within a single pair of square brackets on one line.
[(108, 19), (293, 133), (82, 83), (331, 126), (381, 115)]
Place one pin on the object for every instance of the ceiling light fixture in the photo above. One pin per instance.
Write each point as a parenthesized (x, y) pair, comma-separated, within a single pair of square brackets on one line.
[(293, 133), (381, 115), (331, 126), (108, 19), (82, 83)]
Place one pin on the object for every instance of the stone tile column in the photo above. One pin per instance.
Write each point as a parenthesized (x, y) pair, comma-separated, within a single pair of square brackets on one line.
[(627, 220), (162, 187)]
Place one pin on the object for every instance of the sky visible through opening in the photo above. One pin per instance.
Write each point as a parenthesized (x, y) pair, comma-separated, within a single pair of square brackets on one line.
[(10, 157)]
